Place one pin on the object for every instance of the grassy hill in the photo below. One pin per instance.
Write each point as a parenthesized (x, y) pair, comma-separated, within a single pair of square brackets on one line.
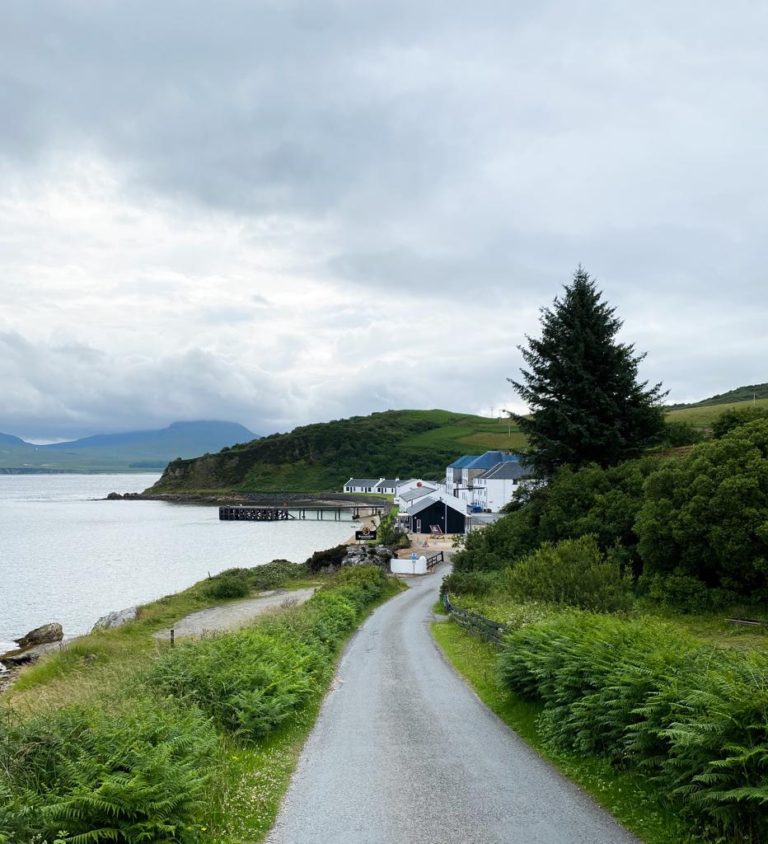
[(703, 415), (323, 456), (740, 394)]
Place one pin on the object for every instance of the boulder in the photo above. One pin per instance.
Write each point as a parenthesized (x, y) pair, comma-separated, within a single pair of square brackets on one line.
[(41, 635), (116, 619)]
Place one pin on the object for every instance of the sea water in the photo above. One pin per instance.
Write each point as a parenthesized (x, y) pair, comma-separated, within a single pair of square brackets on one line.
[(69, 556)]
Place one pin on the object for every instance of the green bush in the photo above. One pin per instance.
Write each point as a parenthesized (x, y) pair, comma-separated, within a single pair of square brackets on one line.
[(134, 773), (324, 559), (232, 583), (252, 680), (593, 501), (275, 574), (735, 417), (680, 433), (684, 593), (642, 694), (706, 516), (575, 572)]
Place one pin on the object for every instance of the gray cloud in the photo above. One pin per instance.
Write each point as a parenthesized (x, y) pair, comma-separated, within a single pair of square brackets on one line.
[(407, 158)]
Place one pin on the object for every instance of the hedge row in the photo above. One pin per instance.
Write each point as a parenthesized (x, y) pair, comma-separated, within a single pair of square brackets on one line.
[(694, 718)]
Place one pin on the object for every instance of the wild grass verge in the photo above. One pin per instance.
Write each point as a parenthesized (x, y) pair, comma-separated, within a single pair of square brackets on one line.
[(630, 797), (197, 746)]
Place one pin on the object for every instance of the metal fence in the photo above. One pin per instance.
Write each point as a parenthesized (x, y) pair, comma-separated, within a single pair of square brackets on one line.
[(491, 631), (435, 559)]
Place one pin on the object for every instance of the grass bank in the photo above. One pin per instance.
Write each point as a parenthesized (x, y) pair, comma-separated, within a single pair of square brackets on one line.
[(628, 796), (121, 738)]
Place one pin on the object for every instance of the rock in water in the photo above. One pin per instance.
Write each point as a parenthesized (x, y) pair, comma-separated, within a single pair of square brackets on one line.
[(41, 635), (116, 619)]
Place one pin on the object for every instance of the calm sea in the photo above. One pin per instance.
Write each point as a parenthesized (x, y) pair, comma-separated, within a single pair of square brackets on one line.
[(66, 556)]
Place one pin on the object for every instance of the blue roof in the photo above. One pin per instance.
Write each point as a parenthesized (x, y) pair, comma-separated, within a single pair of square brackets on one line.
[(489, 460), (463, 461)]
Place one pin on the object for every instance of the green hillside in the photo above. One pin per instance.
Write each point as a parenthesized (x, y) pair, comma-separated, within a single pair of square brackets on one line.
[(321, 457), (740, 394), (702, 415), (395, 443)]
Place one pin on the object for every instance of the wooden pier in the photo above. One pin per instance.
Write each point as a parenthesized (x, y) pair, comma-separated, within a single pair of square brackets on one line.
[(315, 512)]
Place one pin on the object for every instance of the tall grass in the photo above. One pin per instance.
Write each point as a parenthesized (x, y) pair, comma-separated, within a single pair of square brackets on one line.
[(694, 718), (138, 764)]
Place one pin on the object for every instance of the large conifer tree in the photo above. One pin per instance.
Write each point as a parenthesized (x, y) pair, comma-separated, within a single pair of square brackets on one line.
[(581, 385)]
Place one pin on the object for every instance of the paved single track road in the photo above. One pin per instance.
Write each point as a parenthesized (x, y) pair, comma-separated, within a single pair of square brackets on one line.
[(405, 753)]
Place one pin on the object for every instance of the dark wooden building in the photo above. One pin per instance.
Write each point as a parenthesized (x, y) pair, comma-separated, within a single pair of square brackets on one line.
[(449, 516)]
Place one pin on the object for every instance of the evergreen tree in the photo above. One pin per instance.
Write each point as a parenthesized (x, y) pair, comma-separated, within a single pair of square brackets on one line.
[(581, 386)]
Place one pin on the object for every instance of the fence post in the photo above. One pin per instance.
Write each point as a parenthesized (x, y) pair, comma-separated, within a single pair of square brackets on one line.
[(173, 637)]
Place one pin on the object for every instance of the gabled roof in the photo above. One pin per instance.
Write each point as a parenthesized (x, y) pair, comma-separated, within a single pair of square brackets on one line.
[(428, 500), (506, 472), (362, 482), (393, 482), (406, 482)]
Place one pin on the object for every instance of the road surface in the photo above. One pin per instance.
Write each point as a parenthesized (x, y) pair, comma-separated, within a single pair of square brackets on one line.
[(404, 753)]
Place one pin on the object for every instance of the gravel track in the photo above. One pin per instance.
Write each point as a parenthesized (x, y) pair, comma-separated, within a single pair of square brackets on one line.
[(234, 615), (405, 753)]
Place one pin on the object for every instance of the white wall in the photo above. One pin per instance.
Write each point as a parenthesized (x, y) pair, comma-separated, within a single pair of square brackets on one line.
[(408, 566)]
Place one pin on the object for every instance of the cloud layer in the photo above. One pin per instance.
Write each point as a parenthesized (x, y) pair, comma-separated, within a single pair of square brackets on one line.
[(282, 212)]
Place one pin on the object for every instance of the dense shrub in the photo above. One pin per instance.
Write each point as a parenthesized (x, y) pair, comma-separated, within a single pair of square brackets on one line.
[(706, 516), (735, 417), (233, 583), (471, 583), (679, 433), (575, 572), (684, 593), (130, 774), (275, 574), (329, 557), (642, 694), (252, 680), (591, 500)]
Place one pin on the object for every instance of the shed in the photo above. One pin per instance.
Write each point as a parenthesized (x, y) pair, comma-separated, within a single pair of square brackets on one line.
[(444, 511)]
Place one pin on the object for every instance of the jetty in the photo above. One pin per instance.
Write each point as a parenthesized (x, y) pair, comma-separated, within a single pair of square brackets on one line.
[(314, 512)]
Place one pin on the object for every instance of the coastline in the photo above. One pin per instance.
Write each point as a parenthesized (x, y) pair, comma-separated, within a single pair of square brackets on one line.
[(226, 497)]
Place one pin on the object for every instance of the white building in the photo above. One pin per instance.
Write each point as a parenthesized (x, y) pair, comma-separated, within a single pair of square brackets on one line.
[(362, 484), (496, 487)]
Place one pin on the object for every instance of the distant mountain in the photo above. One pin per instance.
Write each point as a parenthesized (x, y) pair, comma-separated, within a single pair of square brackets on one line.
[(748, 393), (178, 439), (132, 450)]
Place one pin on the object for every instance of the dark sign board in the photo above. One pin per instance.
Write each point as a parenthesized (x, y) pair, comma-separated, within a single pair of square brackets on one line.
[(364, 535)]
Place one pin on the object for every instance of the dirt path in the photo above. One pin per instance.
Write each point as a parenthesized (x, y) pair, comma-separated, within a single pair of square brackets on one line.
[(234, 615)]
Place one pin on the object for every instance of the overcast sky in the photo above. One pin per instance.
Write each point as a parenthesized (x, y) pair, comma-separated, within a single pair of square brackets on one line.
[(280, 212)]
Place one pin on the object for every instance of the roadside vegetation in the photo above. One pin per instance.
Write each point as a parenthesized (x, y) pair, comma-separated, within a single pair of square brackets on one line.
[(616, 585), (122, 738), (618, 578)]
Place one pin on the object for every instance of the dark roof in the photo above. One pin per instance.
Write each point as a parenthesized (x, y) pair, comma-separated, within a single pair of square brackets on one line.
[(506, 472), (389, 482), (362, 482), (429, 500)]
